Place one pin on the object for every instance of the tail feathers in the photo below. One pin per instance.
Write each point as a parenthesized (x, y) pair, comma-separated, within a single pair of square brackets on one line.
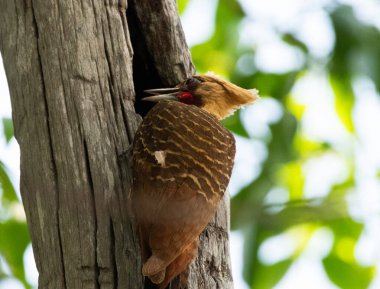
[(154, 268), (180, 264), (158, 278)]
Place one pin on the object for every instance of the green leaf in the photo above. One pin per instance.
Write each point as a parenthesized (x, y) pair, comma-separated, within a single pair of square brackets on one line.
[(14, 238), (344, 99), (9, 193), (251, 243), (266, 277), (341, 223), (219, 53), (292, 40), (281, 148), (357, 46), (246, 206), (234, 124), (182, 4), (347, 275), (291, 176), (275, 85), (8, 128), (2, 273), (346, 227), (255, 273)]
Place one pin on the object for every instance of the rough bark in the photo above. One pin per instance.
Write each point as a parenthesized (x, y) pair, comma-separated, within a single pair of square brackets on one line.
[(72, 79)]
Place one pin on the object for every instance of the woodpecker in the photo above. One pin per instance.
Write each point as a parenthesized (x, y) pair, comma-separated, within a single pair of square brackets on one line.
[(182, 160)]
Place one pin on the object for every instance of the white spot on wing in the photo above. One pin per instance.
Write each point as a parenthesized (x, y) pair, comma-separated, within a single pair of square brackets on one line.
[(160, 157)]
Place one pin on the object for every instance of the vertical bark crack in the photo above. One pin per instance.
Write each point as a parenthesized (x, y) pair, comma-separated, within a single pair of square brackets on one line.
[(91, 184), (113, 252), (54, 168)]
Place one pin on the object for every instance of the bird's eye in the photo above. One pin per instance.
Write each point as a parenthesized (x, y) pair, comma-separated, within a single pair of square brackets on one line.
[(192, 80)]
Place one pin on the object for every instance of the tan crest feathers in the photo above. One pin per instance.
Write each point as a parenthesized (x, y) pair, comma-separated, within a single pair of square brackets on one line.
[(221, 97), (255, 92), (213, 74)]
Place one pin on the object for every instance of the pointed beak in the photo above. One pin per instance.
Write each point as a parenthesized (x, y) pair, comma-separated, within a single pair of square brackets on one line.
[(162, 94)]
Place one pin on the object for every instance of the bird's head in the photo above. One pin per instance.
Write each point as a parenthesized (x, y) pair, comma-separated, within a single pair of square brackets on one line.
[(209, 92)]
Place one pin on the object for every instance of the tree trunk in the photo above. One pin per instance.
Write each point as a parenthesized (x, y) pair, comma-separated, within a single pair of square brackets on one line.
[(73, 81)]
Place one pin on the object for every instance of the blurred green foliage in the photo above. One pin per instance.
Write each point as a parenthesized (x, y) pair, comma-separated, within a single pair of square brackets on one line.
[(356, 53), (14, 236)]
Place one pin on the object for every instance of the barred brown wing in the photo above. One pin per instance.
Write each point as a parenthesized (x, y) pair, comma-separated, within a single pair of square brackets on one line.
[(182, 162)]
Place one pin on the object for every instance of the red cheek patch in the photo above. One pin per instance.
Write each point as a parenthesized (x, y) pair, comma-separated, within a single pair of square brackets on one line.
[(186, 97)]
